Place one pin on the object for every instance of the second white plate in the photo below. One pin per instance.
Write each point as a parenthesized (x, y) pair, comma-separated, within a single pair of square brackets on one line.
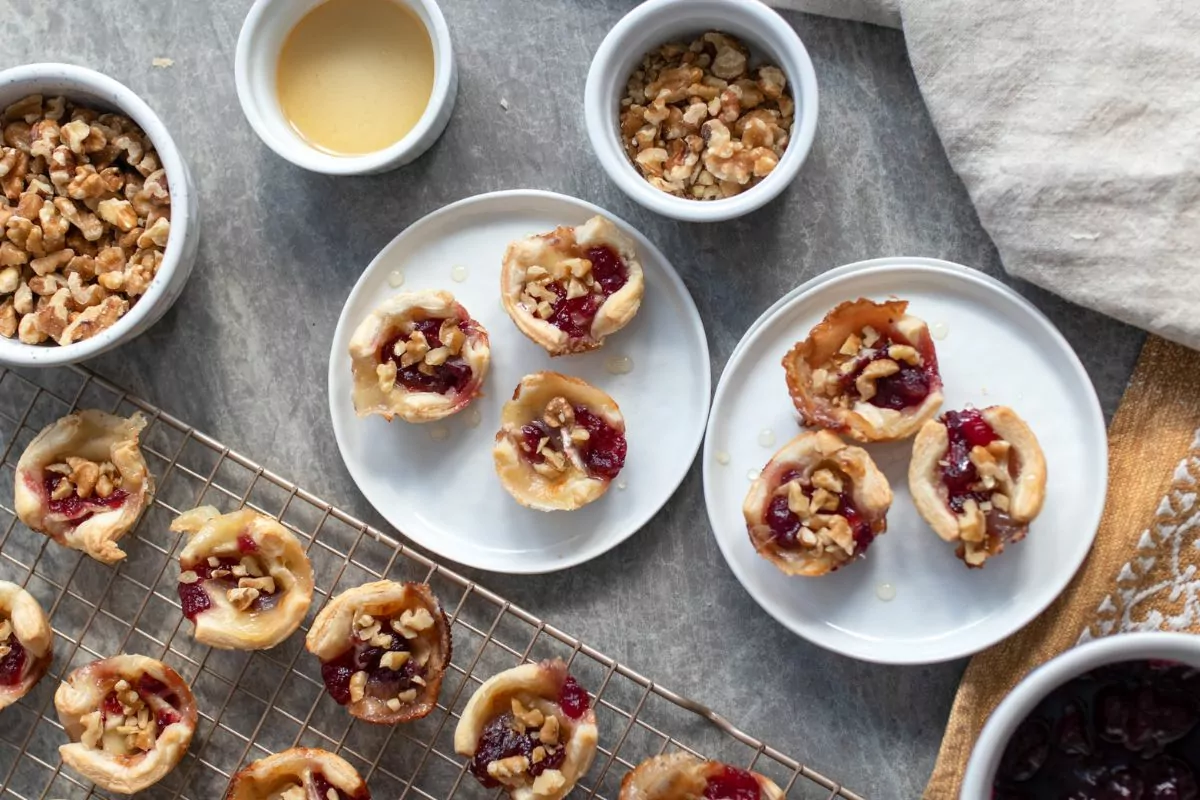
[(997, 349)]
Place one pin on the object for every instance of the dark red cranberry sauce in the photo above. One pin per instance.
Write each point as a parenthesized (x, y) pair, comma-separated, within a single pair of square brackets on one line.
[(504, 738), (573, 698), (221, 577), (965, 430), (452, 376), (904, 389), (1125, 731), (603, 453), (785, 526), (574, 317), (12, 663), (323, 788), (731, 783), (76, 508), (362, 656)]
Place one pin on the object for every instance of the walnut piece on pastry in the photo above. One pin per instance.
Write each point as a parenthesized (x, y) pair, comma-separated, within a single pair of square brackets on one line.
[(26, 643), (561, 442), (569, 289), (301, 773), (130, 720), (419, 356), (530, 729), (244, 579), (978, 477), (818, 504), (868, 370), (83, 482), (682, 776), (384, 647)]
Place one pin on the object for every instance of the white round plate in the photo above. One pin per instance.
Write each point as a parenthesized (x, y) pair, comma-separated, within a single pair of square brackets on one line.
[(997, 349), (443, 493)]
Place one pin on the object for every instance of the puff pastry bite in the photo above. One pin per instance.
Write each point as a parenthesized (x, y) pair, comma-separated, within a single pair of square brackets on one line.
[(530, 729), (83, 482), (569, 289), (301, 773), (868, 370), (682, 776), (384, 647), (130, 719), (419, 356), (817, 504), (244, 580), (978, 477), (561, 442), (26, 643)]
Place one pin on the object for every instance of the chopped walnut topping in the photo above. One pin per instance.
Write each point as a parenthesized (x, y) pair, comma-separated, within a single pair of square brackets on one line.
[(241, 598), (394, 704), (549, 732), (412, 622), (531, 717), (265, 584), (358, 686), (85, 478), (508, 767), (393, 660), (188, 576), (822, 529), (407, 696), (865, 382)]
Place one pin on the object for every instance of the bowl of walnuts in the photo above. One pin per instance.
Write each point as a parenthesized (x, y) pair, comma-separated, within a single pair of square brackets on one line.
[(701, 110), (98, 218)]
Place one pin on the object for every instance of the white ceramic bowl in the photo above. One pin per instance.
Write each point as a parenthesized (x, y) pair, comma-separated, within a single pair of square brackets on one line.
[(100, 91), (771, 40), (259, 44), (985, 758)]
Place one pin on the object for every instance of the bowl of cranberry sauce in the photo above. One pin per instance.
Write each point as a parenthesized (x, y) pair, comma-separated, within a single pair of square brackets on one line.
[(1117, 718)]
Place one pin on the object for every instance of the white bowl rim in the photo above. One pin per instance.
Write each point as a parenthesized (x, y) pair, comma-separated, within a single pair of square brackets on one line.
[(1033, 688), (309, 157), (612, 156), (91, 82)]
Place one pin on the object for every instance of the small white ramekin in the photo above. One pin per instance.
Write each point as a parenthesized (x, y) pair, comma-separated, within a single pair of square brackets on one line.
[(1012, 711), (259, 44), (657, 22), (91, 88)]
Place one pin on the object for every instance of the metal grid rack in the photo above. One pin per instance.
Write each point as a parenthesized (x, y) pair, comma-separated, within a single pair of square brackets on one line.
[(253, 704)]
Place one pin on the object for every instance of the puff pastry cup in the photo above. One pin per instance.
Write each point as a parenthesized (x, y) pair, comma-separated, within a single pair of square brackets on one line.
[(384, 647), (26, 643), (419, 356), (130, 720), (561, 442), (682, 776), (245, 581), (868, 370), (569, 289), (301, 773), (818, 504), (530, 729), (83, 482), (978, 477)]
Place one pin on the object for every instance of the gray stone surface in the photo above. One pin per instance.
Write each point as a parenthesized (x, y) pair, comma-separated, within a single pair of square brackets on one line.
[(243, 354)]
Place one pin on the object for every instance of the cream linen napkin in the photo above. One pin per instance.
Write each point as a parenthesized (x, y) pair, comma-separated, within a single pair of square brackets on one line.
[(1074, 125)]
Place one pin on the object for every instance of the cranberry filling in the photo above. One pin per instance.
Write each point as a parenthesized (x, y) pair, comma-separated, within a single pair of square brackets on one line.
[(965, 430), (732, 783), (76, 508), (573, 698), (785, 526), (574, 317), (147, 686), (603, 453), (324, 787), (908, 387), (193, 597), (12, 665), (1128, 730), (363, 657), (452, 376), (500, 740)]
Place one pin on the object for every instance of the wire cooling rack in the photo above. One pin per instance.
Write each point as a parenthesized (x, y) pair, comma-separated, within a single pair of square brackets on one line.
[(253, 704)]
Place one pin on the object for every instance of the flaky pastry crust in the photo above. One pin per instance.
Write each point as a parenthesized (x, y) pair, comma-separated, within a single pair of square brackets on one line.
[(540, 487), (682, 776), (102, 750), (23, 623), (295, 774), (555, 257), (96, 437), (268, 549), (814, 378), (817, 465), (376, 391)]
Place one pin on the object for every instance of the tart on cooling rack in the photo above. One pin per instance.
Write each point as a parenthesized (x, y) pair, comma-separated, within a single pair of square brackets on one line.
[(384, 647), (817, 505), (419, 356), (682, 776), (978, 477), (26, 643), (301, 773), (569, 289), (868, 370), (530, 729), (83, 482), (244, 580), (561, 442), (130, 720)]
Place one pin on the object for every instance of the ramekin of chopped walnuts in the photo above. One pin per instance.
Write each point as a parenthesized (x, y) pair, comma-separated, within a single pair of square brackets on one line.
[(98, 227), (701, 110)]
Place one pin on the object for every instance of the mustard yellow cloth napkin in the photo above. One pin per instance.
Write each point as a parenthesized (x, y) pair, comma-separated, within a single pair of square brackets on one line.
[(1140, 574)]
